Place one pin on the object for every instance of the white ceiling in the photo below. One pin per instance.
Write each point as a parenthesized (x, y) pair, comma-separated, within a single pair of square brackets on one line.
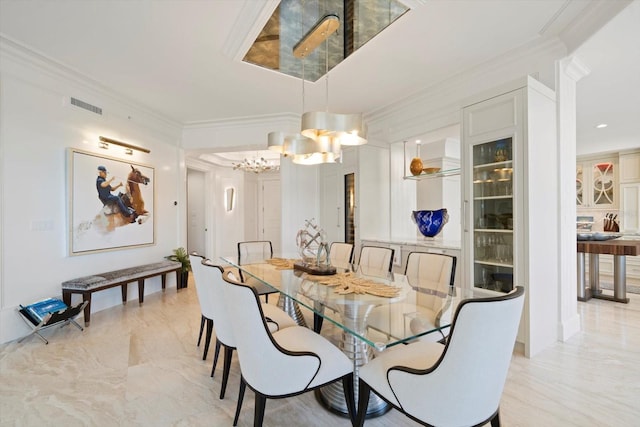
[(182, 58)]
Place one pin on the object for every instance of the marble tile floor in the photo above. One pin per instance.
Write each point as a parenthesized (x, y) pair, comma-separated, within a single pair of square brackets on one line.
[(139, 366)]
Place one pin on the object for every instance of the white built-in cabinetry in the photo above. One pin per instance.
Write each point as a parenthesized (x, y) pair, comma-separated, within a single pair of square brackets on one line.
[(630, 191), (523, 113)]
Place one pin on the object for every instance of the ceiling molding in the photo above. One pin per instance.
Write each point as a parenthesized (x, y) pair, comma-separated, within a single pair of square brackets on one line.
[(245, 121), (590, 20), (575, 68), (32, 59), (247, 27), (411, 110)]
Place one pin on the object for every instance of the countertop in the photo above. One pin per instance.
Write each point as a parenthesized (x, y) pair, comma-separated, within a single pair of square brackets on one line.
[(416, 241), (610, 247)]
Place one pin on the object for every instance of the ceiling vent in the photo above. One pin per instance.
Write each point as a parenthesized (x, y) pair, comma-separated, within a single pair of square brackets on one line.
[(86, 106)]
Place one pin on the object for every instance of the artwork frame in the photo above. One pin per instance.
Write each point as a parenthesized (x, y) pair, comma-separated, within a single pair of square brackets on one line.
[(98, 225)]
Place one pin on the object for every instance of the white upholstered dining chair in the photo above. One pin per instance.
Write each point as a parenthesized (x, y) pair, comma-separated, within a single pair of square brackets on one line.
[(375, 258), (252, 251), (206, 308), (285, 363), (341, 254), (432, 277), (276, 318), (457, 384)]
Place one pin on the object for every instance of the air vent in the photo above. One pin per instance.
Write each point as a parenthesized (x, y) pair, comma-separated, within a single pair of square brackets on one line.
[(86, 106)]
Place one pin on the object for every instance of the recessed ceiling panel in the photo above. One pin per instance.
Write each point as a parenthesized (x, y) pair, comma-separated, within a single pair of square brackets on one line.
[(359, 22)]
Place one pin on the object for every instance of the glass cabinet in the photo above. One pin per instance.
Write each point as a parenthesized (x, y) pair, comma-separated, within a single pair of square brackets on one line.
[(596, 184), (492, 226)]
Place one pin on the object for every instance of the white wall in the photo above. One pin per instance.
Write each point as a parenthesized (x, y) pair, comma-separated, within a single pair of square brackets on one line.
[(36, 128)]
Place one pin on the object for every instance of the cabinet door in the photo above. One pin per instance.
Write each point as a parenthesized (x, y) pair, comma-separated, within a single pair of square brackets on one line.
[(596, 184), (602, 185), (630, 206), (629, 168)]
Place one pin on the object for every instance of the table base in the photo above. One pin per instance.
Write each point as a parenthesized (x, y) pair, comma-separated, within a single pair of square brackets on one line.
[(594, 291)]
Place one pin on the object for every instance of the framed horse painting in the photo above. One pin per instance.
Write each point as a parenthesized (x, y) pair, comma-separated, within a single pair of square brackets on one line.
[(111, 203)]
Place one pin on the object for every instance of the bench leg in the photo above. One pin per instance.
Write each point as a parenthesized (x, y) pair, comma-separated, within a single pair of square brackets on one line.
[(177, 279), (87, 309), (140, 291), (164, 281), (124, 288)]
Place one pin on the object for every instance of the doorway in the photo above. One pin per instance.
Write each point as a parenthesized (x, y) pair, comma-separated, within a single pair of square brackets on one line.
[(196, 228)]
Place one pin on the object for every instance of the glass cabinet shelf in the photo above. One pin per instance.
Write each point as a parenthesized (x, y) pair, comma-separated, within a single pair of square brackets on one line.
[(440, 174)]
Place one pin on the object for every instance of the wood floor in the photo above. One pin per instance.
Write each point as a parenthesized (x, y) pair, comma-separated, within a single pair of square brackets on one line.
[(139, 366)]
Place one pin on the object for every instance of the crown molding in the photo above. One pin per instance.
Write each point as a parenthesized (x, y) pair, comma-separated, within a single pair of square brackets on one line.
[(575, 68), (32, 59), (441, 99), (590, 20), (244, 121)]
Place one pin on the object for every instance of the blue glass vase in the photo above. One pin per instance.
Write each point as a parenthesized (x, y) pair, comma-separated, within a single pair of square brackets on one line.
[(430, 223)]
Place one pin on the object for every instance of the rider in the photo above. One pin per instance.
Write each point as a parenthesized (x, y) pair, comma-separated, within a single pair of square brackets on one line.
[(104, 188)]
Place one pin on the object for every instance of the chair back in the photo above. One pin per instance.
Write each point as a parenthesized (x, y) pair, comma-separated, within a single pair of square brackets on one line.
[(465, 385), (204, 289), (432, 276), (376, 258), (340, 254), (266, 367), (221, 319), (257, 250)]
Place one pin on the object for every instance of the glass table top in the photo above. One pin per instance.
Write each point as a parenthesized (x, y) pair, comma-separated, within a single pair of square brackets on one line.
[(379, 321)]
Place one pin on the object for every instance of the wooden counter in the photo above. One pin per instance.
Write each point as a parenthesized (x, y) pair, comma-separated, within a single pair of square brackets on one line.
[(610, 247), (619, 248)]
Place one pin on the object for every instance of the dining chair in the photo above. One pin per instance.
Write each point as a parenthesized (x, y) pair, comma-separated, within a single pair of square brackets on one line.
[(459, 383), (375, 258), (285, 363), (203, 291), (341, 254), (432, 277), (255, 250), (276, 319)]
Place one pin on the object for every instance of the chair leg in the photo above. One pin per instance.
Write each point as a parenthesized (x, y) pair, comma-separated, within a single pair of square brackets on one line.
[(347, 385), (363, 402), (317, 323), (215, 357), (207, 339), (201, 329), (228, 353), (243, 385), (258, 415), (495, 421)]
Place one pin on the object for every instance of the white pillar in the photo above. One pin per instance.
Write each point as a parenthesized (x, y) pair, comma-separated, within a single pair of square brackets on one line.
[(568, 72)]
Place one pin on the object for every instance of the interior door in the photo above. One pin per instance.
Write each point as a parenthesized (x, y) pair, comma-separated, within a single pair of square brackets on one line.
[(196, 228), (271, 213)]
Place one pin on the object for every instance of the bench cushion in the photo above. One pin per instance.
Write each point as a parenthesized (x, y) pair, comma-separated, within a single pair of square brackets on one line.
[(120, 276)]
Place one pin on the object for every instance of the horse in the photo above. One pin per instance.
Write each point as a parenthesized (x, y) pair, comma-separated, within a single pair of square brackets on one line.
[(134, 180), (110, 216)]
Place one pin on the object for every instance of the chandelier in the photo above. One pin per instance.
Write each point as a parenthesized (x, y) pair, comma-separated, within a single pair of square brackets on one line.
[(256, 165), (322, 132)]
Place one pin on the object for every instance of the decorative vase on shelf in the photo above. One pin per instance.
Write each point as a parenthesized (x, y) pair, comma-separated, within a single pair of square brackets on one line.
[(416, 166), (430, 223)]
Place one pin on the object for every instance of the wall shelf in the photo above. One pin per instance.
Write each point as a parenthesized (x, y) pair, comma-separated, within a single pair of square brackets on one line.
[(440, 174)]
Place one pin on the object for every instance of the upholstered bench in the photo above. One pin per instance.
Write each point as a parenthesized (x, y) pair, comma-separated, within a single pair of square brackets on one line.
[(90, 284)]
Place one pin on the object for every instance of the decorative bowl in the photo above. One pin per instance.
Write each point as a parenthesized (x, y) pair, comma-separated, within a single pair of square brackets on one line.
[(431, 170), (430, 223)]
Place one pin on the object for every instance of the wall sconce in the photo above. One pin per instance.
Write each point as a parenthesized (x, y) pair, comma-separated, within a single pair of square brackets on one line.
[(104, 143), (229, 196)]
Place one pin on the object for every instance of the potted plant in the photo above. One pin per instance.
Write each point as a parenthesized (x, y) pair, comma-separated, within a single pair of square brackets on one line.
[(180, 255)]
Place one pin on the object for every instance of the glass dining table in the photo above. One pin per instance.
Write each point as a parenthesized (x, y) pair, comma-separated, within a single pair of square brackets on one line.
[(365, 322)]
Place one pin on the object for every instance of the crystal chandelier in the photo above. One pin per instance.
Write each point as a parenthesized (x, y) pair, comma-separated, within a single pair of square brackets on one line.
[(256, 165)]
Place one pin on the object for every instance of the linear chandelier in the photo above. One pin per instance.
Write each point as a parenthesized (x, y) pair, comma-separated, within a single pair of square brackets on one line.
[(323, 133)]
